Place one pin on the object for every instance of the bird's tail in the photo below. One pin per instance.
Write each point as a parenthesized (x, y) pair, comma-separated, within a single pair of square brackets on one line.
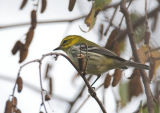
[(137, 65)]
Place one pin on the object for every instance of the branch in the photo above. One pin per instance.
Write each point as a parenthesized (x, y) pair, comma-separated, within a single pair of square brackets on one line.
[(82, 104), (91, 90), (31, 87), (43, 22), (148, 92), (139, 22)]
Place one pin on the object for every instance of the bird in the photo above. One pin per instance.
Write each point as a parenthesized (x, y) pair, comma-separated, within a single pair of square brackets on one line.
[(99, 59)]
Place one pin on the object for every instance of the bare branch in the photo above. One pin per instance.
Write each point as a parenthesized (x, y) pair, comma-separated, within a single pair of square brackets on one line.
[(148, 92)]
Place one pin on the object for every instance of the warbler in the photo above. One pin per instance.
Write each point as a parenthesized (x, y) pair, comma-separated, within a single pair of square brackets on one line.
[(99, 59)]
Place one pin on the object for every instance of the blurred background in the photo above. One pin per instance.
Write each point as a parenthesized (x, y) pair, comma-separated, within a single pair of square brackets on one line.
[(121, 91)]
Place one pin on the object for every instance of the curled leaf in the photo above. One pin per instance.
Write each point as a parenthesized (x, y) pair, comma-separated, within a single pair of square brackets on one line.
[(44, 4), (71, 5), (90, 19), (19, 84), (97, 6)]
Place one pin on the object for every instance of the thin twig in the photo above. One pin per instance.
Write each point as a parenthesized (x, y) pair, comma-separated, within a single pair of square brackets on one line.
[(76, 98), (19, 73), (82, 104), (111, 20), (32, 87), (134, 49), (120, 24), (91, 90), (41, 84), (139, 22), (43, 22)]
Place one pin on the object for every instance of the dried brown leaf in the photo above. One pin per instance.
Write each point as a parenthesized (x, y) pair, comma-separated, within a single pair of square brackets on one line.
[(33, 18), (156, 54), (24, 2), (135, 87), (144, 55), (90, 19), (50, 86), (19, 84), (141, 53), (44, 4), (71, 5), (29, 37), (107, 80), (47, 97), (116, 77), (18, 45), (8, 108)]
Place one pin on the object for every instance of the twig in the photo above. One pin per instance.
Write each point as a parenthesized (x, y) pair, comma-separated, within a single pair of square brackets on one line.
[(91, 91), (111, 20), (139, 22), (154, 49), (32, 87), (134, 49), (40, 78), (75, 100), (20, 71), (43, 22), (82, 104), (120, 24)]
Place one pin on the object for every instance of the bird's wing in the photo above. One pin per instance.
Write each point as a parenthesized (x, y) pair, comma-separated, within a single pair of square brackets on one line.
[(102, 51)]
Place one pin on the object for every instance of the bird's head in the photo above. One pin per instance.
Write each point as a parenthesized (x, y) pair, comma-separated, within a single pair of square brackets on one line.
[(69, 41)]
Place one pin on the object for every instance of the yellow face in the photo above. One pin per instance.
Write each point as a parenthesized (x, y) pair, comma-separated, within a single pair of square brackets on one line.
[(69, 41)]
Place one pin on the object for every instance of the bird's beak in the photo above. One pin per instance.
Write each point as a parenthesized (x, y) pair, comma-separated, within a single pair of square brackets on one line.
[(58, 48)]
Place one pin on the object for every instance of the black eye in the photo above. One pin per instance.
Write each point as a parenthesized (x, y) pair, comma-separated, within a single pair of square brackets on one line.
[(64, 41)]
